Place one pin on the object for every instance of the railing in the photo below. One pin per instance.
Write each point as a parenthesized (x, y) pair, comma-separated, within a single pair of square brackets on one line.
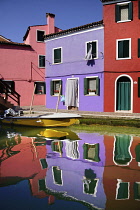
[(9, 92)]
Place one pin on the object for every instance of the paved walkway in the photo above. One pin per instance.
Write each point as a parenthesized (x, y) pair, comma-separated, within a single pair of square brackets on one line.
[(43, 110)]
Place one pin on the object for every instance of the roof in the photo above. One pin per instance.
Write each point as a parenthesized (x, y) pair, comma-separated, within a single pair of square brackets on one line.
[(2, 38), (72, 30), (14, 43), (28, 29), (106, 1)]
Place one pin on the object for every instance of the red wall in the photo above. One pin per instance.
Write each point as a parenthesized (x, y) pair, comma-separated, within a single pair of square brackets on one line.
[(115, 31)]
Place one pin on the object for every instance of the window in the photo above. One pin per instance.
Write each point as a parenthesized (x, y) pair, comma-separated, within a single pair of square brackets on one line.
[(40, 88), (55, 87), (122, 191), (91, 50), (139, 87), (57, 175), (40, 36), (123, 49), (41, 61), (124, 12), (57, 55), (137, 190), (43, 163), (9, 86), (92, 86), (41, 184), (91, 152), (57, 146)]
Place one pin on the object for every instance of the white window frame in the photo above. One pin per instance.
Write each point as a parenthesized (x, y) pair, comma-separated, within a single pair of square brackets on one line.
[(53, 55), (96, 49), (38, 62), (55, 80), (124, 4), (36, 35), (117, 50), (44, 85), (92, 77)]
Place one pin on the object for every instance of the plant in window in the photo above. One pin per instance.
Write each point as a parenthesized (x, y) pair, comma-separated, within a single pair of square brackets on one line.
[(56, 91)]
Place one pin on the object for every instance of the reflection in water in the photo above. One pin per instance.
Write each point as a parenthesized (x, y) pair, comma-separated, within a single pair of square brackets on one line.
[(68, 170)]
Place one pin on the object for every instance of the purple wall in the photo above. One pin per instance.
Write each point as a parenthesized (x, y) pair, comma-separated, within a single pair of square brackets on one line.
[(74, 65), (73, 170)]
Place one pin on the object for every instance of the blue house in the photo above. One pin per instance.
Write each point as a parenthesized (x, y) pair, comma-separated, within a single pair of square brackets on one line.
[(74, 67)]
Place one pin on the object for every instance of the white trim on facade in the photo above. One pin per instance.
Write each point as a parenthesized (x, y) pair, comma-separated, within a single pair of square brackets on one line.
[(96, 48), (53, 55), (117, 40), (74, 33)]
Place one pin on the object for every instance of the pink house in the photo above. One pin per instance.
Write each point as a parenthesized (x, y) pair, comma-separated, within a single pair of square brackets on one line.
[(22, 66)]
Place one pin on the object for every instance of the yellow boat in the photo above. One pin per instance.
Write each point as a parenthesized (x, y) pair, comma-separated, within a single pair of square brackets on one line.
[(48, 120)]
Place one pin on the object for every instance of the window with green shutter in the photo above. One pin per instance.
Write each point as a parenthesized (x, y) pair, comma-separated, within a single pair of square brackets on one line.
[(124, 12), (57, 55), (138, 86), (41, 61), (55, 87), (92, 86), (124, 49), (91, 50), (139, 48), (91, 152)]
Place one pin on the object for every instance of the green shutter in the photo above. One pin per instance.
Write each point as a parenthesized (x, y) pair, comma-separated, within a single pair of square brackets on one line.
[(117, 13), (94, 50), (125, 48), (51, 88), (139, 10), (85, 149), (130, 11), (61, 87), (139, 87), (44, 163), (41, 184), (98, 86), (85, 86), (120, 49), (138, 48)]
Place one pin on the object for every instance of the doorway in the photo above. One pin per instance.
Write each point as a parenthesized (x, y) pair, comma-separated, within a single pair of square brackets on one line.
[(123, 94), (71, 94)]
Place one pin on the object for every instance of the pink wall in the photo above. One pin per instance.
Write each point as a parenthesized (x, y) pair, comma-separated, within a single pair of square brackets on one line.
[(19, 63)]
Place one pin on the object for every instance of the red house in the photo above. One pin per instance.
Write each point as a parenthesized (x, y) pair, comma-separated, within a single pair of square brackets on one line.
[(121, 55), (22, 66)]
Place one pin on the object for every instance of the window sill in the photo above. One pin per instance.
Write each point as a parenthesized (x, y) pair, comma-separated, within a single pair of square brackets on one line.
[(124, 21), (57, 63), (123, 59)]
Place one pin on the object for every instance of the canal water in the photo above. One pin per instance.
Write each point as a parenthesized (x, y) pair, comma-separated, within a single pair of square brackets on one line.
[(61, 169)]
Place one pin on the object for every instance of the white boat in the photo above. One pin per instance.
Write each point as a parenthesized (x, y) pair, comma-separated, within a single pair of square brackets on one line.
[(48, 120)]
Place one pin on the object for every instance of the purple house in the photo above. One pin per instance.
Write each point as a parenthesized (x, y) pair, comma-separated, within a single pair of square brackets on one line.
[(75, 169), (74, 68)]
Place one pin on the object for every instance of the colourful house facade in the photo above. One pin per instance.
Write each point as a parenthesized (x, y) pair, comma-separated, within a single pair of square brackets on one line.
[(121, 56), (74, 66), (22, 65)]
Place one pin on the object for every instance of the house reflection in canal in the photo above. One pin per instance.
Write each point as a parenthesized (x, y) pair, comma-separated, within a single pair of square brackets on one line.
[(88, 170), (22, 158), (121, 177), (75, 169)]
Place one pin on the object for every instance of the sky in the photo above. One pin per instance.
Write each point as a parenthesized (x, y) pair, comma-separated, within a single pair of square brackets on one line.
[(17, 15)]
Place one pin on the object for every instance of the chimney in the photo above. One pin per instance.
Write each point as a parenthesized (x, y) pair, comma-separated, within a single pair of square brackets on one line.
[(50, 22)]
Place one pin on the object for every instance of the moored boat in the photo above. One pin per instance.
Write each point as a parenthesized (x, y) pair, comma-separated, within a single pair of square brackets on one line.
[(48, 120)]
